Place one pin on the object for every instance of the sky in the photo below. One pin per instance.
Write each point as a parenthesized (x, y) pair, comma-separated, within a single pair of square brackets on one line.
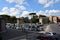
[(22, 8)]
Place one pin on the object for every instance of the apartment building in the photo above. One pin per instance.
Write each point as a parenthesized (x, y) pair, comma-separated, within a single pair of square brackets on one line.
[(54, 19), (20, 21), (50, 19), (43, 20)]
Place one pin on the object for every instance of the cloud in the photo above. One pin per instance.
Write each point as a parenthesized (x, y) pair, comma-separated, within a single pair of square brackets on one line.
[(54, 12), (57, 0), (10, 11), (5, 10), (10, 1), (49, 12), (42, 1), (20, 2), (21, 7), (47, 3), (14, 11), (41, 13), (16, 1), (18, 13), (25, 14)]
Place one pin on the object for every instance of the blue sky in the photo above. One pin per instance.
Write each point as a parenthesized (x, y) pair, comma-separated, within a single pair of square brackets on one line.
[(21, 8)]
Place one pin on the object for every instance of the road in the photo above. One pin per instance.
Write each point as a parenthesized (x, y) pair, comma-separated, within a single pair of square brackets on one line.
[(32, 36), (19, 35), (52, 28), (9, 34)]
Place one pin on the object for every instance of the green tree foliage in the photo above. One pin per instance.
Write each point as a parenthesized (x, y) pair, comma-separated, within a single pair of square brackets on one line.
[(9, 19), (32, 14), (13, 19), (42, 16), (34, 18), (26, 20), (6, 17)]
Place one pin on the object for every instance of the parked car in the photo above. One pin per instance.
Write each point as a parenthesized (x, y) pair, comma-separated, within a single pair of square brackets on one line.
[(49, 34), (46, 36), (33, 28), (40, 28)]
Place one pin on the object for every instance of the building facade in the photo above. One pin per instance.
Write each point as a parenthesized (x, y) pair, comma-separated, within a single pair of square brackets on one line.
[(20, 21), (54, 19), (50, 19), (43, 20), (2, 24)]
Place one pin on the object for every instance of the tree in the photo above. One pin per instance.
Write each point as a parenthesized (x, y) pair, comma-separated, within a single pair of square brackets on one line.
[(13, 19), (9, 19), (42, 16), (34, 18), (32, 14), (6, 17), (26, 20)]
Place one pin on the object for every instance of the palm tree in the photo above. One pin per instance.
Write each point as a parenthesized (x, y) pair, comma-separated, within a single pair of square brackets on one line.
[(42, 16), (32, 14), (34, 17)]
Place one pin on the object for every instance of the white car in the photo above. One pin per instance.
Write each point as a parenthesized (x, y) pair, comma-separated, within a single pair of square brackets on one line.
[(17, 27), (40, 28), (49, 34)]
